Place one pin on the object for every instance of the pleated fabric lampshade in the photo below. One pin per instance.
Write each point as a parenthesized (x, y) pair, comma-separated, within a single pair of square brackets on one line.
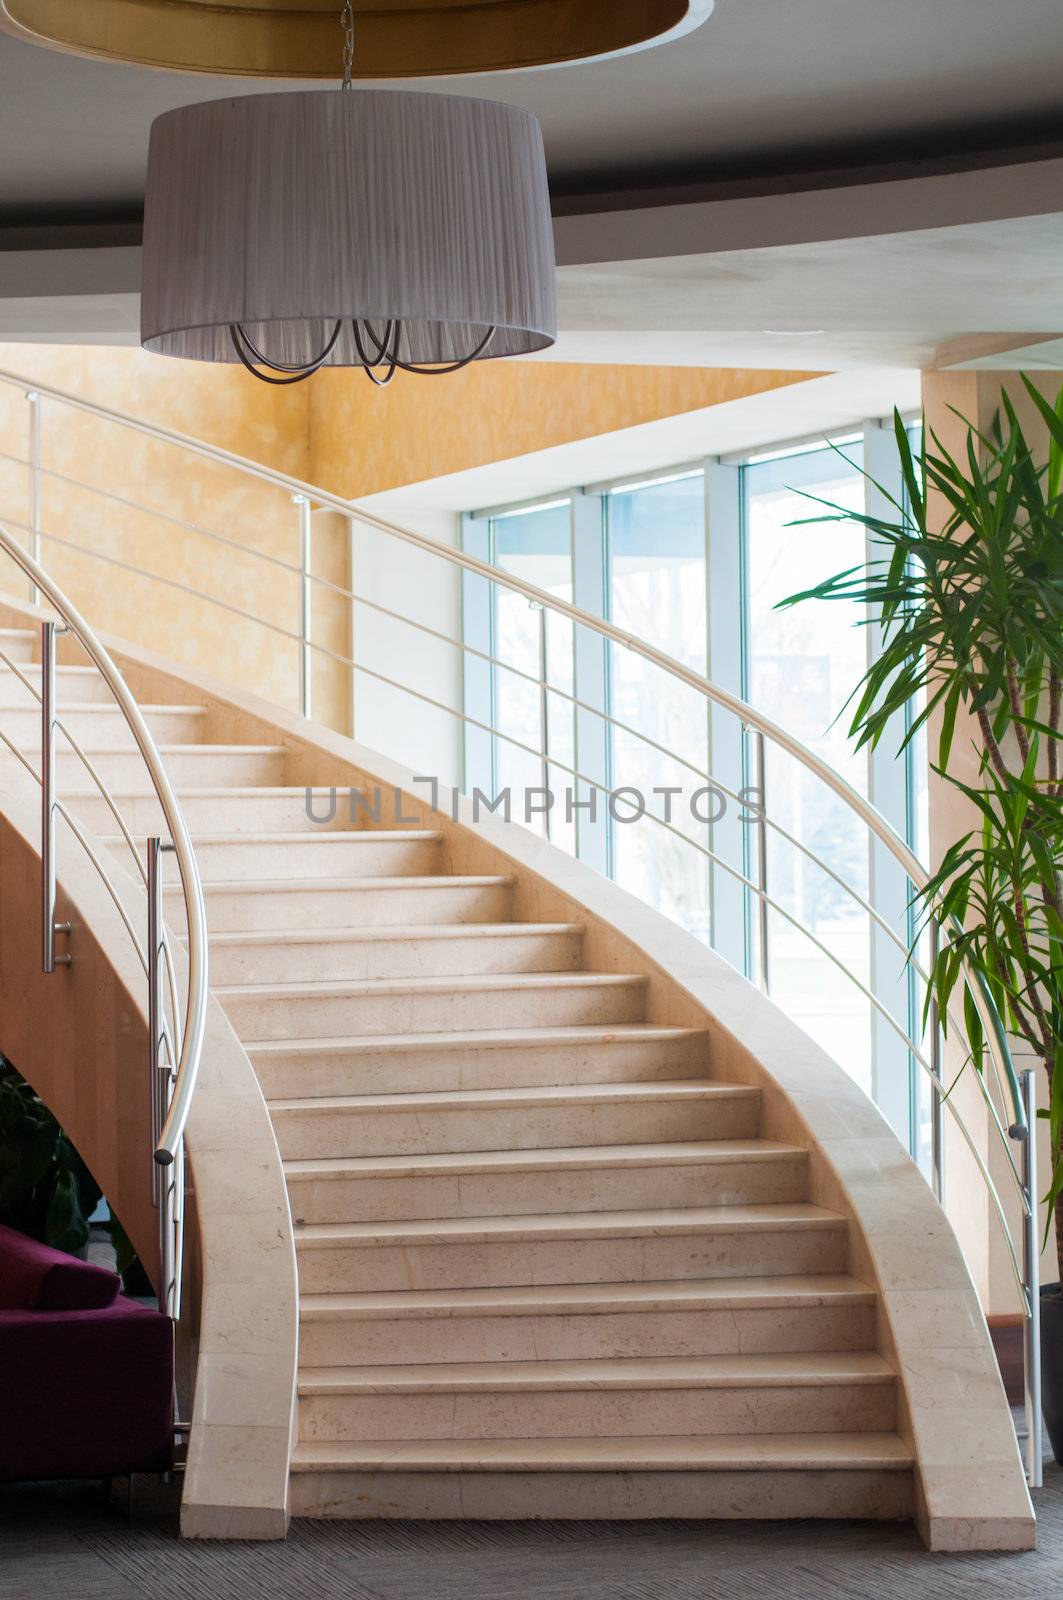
[(282, 224)]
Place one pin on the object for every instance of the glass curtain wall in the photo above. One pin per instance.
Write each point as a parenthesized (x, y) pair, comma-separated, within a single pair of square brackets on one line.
[(656, 588), (802, 664), (645, 557)]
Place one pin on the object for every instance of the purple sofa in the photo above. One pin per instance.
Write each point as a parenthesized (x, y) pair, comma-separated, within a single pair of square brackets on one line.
[(87, 1375)]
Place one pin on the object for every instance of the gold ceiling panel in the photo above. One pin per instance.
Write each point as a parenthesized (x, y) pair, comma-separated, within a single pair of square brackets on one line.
[(393, 38)]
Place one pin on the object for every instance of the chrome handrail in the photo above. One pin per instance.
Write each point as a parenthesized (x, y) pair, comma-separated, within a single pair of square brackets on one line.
[(169, 1141), (307, 496)]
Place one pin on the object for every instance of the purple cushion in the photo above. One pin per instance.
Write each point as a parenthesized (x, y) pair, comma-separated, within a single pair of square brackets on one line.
[(34, 1277), (85, 1394)]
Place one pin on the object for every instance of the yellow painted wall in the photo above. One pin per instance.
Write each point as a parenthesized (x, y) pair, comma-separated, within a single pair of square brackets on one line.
[(363, 439)]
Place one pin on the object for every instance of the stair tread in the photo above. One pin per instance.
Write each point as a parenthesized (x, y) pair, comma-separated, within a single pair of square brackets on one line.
[(721, 1452), (564, 1159), (110, 707), (396, 933), (466, 1038), (321, 835), (474, 982), (797, 1215), (245, 791), (178, 749), (533, 1097), (801, 1369), (673, 1294), (347, 885)]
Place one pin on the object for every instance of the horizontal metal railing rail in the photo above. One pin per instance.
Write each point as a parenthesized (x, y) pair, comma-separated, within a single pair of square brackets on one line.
[(1010, 1122)]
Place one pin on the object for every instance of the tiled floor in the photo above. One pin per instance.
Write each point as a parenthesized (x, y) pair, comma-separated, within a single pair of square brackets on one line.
[(63, 1541)]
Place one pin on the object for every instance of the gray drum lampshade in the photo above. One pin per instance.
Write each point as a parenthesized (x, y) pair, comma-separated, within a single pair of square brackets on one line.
[(351, 217)]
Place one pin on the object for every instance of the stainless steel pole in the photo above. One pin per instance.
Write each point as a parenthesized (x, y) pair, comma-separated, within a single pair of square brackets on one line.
[(167, 1183), (49, 927), (306, 602), (1031, 1262), (544, 716), (33, 400), (155, 1011), (762, 861), (937, 1111)]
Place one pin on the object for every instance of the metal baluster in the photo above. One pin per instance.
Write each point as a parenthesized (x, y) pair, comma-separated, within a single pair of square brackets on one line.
[(544, 715), (1031, 1264), (937, 1114), (166, 1182), (49, 926), (762, 862), (306, 602), (33, 400)]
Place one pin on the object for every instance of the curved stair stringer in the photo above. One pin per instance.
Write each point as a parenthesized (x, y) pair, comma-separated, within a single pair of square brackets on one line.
[(968, 1490), (80, 1037)]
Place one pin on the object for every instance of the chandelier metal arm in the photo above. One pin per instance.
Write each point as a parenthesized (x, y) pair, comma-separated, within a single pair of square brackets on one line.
[(453, 366), (392, 334), (374, 352), (249, 354)]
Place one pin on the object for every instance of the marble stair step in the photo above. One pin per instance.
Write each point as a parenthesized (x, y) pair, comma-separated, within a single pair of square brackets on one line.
[(594, 1177), (383, 902), (97, 723), (575, 1322), (590, 1247), (515, 1124), (325, 853), (478, 1059), (808, 1392), (123, 768), (230, 809), (303, 955), (74, 685), (19, 644), (785, 1475), (432, 1005)]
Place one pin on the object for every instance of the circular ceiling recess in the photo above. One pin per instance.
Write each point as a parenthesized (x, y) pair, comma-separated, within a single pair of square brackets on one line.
[(393, 38)]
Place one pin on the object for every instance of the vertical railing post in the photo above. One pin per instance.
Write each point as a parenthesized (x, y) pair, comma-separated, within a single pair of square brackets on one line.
[(544, 716), (1031, 1268), (166, 1182), (306, 602), (49, 926), (155, 1004), (33, 400), (762, 860), (937, 1102)]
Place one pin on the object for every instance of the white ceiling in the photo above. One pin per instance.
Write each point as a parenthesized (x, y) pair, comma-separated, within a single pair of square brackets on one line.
[(764, 86), (931, 258)]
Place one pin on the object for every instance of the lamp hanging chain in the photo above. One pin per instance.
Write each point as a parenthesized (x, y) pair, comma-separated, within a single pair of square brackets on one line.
[(347, 24)]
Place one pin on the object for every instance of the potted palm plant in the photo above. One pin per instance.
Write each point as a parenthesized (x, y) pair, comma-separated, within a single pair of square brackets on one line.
[(969, 590)]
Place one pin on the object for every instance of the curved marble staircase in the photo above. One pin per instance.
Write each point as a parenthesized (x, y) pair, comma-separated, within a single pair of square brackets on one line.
[(552, 1261)]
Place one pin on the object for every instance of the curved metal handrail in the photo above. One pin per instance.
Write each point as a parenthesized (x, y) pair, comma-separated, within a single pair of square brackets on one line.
[(192, 889)]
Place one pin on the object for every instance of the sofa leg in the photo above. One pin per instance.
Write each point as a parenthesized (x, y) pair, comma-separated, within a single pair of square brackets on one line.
[(124, 1502)]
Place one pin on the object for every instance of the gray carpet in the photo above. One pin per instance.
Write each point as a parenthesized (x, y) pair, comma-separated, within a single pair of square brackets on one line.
[(63, 1540)]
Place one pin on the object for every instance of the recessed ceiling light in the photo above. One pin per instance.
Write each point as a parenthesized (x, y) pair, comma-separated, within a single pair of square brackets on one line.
[(792, 333)]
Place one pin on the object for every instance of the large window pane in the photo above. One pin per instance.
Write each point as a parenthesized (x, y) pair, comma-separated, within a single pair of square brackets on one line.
[(656, 589), (803, 663), (535, 546)]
